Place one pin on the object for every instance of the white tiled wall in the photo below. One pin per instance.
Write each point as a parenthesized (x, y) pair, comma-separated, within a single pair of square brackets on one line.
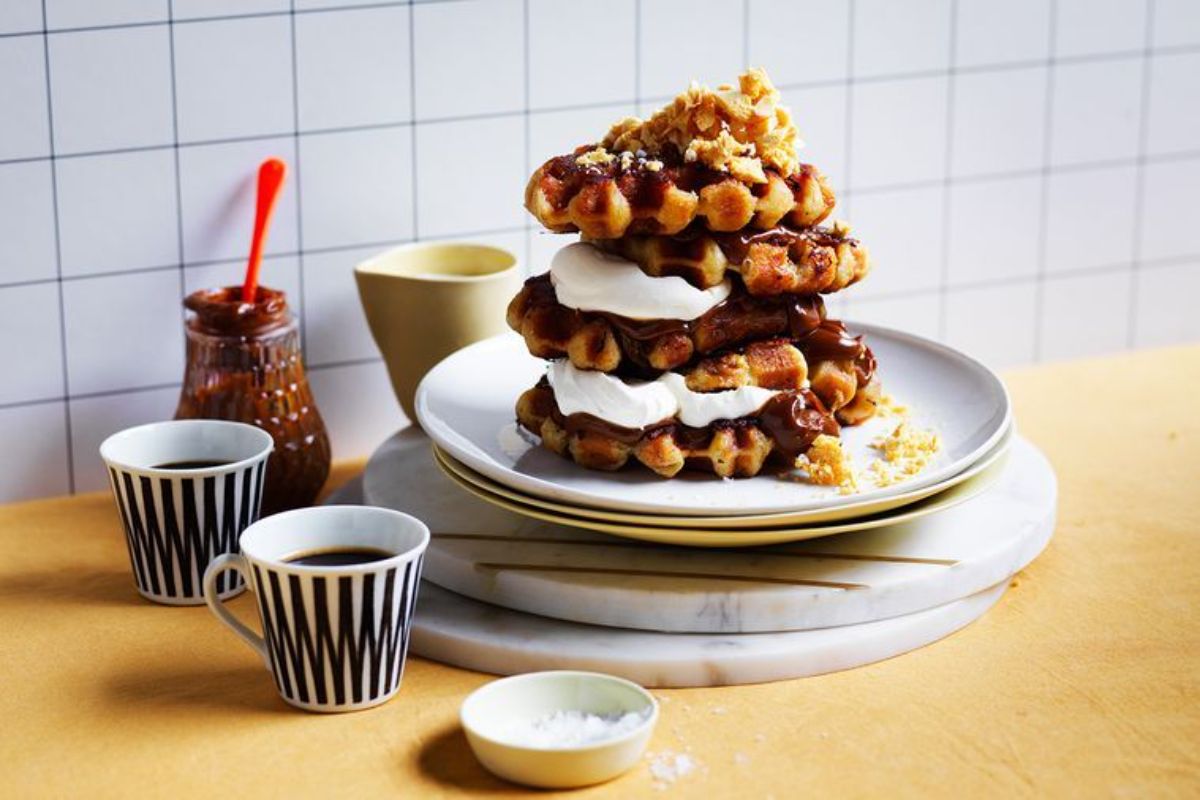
[(1025, 172)]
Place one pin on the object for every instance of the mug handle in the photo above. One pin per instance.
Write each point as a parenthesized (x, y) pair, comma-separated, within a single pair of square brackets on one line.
[(220, 564)]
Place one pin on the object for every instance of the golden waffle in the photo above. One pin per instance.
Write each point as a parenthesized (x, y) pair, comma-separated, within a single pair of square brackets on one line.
[(636, 195), (781, 431), (742, 335), (782, 260)]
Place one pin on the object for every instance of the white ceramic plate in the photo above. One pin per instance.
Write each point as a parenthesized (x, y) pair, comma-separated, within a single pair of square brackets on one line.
[(951, 491), (466, 405)]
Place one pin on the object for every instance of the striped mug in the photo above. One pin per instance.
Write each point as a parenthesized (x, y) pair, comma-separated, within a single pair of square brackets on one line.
[(336, 589), (185, 491)]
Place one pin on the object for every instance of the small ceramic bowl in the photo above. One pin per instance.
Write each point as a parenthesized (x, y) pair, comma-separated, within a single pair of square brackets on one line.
[(491, 713)]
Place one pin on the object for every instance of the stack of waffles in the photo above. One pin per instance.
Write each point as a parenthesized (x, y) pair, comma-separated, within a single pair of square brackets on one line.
[(686, 328)]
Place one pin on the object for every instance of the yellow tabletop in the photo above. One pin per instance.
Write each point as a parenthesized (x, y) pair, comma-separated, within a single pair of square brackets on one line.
[(1081, 681)]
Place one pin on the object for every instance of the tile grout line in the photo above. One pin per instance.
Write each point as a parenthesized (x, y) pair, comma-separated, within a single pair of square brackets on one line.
[(527, 130), (947, 164), (901, 294), (302, 311), (1139, 180), (847, 83), (62, 311), (1039, 289), (745, 34), (175, 158), (412, 113)]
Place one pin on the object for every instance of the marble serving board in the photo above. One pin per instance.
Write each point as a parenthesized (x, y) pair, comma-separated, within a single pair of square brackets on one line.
[(465, 633), (508, 560)]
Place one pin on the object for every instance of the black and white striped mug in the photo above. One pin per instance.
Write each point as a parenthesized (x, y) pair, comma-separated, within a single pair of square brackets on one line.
[(336, 589), (185, 490)]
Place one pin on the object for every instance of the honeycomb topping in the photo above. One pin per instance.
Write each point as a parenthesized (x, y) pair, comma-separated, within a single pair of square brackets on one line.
[(742, 131)]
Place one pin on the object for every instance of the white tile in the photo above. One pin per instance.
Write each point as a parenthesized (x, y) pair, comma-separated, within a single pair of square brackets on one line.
[(1090, 218), (892, 38), (218, 186), (543, 245), (995, 324), (1088, 27), (111, 88), (198, 9), (799, 41), (35, 442), (1172, 207), (566, 67), (117, 212), (468, 58), (552, 133), (1174, 125), (31, 360), (25, 123), (838, 305), (1176, 23), (123, 331), (1095, 111), (993, 229), (999, 122), (86, 13), (278, 272), (358, 406), (911, 313), (461, 195), (903, 231), (1167, 317), (335, 327), (999, 33), (898, 132), (820, 117), (26, 222), (351, 69), (357, 186), (94, 419), (19, 16), (1098, 325), (234, 78), (685, 40), (309, 5)]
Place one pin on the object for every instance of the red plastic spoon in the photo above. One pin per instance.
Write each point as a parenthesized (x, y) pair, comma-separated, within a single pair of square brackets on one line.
[(270, 180)]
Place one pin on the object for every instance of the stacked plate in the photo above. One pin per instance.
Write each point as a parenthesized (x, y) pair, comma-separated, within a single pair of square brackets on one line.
[(537, 563), (465, 405)]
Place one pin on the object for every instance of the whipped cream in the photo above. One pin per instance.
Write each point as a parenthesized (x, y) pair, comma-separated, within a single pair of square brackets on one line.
[(640, 404), (630, 405), (698, 409), (588, 279)]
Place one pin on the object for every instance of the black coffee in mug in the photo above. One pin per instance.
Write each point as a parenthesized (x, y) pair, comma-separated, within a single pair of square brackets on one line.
[(338, 557), (192, 465)]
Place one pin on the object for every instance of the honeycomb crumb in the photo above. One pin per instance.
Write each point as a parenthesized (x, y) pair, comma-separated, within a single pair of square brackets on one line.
[(887, 406), (841, 228), (827, 464), (594, 157), (742, 130), (905, 452)]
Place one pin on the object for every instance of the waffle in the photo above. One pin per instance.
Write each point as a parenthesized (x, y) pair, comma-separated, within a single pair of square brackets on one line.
[(836, 365), (662, 196), (782, 260), (782, 431)]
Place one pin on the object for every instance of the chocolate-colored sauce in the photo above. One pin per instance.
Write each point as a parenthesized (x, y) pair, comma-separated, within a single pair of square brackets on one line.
[(793, 420)]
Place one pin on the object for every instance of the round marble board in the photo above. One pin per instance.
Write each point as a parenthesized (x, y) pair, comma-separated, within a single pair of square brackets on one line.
[(508, 560), (464, 633)]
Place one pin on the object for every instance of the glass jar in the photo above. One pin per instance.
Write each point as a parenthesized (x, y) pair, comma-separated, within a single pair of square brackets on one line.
[(244, 364)]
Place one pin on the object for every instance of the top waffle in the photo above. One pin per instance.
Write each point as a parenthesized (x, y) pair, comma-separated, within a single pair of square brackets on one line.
[(724, 158)]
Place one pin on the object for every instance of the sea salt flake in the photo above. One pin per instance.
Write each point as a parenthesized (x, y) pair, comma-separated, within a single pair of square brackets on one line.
[(667, 767), (568, 728)]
